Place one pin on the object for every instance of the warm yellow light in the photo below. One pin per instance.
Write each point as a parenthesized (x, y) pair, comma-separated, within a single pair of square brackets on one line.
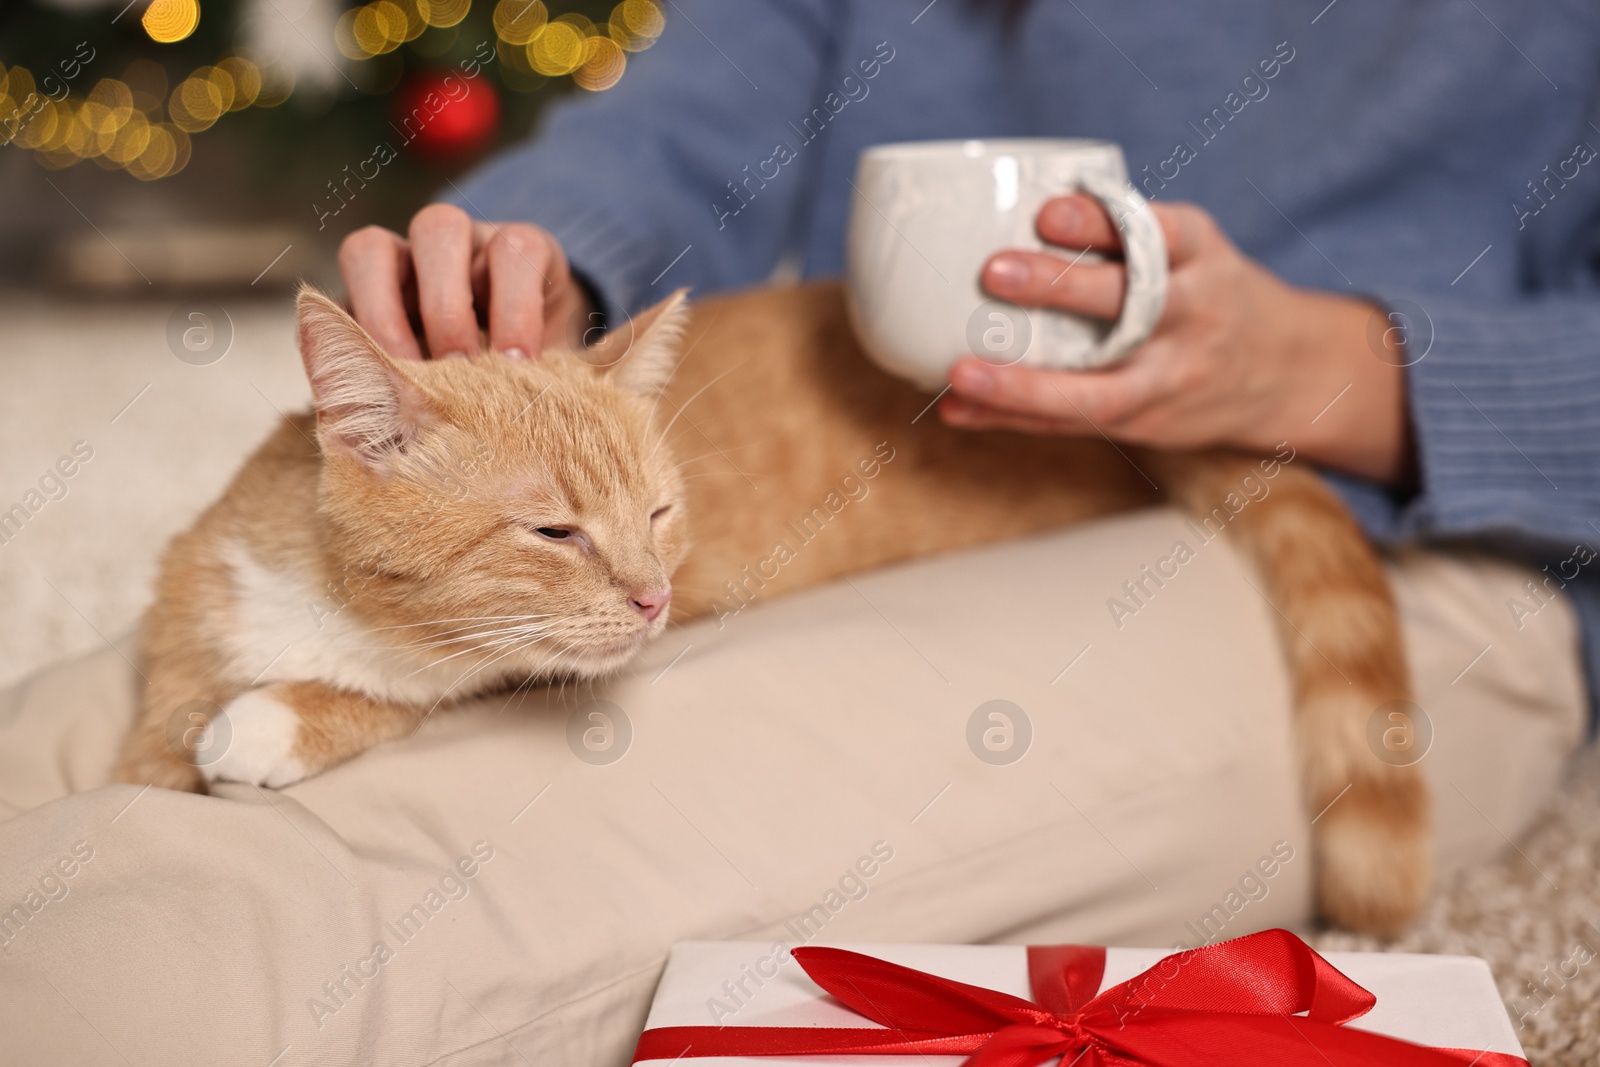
[(392, 18), (558, 50), (165, 154), (519, 21), (196, 103), (442, 13), (108, 109), (220, 83), (344, 35), (635, 24), (245, 77), (93, 118), (130, 141), (8, 109), (156, 158), (415, 23), (57, 160), (181, 147), (116, 98), (38, 131), (581, 23), (603, 64), (75, 135), (167, 21), (19, 86), (373, 32), (116, 123)]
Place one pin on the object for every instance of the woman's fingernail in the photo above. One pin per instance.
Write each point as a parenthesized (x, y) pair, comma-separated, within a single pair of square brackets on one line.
[(973, 378), (1008, 272), (1063, 215), (515, 353), (454, 353)]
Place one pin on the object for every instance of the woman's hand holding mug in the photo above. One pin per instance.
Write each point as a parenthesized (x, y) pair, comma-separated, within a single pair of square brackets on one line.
[(1238, 357)]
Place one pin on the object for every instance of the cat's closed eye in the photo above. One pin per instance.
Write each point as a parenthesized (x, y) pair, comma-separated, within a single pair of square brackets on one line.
[(659, 512), (553, 533)]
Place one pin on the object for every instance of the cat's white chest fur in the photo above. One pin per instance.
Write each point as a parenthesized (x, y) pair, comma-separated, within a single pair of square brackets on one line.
[(284, 630)]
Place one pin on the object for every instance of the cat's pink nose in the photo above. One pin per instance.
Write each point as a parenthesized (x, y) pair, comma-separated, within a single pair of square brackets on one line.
[(652, 602)]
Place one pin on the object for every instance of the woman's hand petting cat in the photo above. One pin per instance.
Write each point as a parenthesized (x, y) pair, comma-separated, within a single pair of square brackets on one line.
[(455, 276), (1239, 359)]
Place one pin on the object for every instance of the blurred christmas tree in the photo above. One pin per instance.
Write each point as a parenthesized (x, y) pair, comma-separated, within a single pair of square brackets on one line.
[(298, 84)]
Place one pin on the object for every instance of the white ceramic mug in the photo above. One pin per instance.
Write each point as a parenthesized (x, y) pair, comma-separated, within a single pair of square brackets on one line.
[(927, 215)]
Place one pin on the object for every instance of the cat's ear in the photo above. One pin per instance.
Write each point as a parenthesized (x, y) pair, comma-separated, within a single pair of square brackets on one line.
[(639, 355), (365, 406)]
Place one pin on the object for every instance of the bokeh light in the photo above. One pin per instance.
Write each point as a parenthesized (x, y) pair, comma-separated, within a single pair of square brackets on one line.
[(635, 24), (169, 21), (603, 64), (520, 21), (245, 78), (164, 154), (142, 121), (198, 101), (130, 141), (378, 28), (443, 13), (559, 48)]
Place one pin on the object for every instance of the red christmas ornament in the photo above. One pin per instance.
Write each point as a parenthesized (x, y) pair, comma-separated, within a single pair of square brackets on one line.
[(443, 115)]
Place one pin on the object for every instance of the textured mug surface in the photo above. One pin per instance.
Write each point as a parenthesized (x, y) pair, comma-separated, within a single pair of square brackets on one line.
[(927, 215)]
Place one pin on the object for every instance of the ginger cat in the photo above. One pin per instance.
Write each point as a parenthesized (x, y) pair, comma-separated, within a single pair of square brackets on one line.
[(463, 525)]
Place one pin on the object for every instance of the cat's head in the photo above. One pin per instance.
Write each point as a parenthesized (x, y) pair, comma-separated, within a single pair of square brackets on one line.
[(521, 513)]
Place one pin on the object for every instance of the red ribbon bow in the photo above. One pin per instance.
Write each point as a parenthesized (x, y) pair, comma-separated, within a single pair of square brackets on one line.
[(1265, 998)]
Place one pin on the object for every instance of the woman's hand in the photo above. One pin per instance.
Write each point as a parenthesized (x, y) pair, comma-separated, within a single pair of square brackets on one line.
[(1239, 358), (455, 276)]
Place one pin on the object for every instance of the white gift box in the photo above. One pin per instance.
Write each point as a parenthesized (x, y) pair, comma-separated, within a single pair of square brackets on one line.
[(1438, 1001)]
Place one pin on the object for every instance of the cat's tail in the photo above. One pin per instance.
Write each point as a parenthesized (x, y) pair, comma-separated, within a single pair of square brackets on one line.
[(1356, 738)]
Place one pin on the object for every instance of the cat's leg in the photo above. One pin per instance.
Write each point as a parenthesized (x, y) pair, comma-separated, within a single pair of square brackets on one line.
[(174, 709), (1341, 632), (278, 734)]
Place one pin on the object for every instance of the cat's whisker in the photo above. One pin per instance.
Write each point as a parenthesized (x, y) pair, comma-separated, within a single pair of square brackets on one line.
[(421, 643), (473, 673), (715, 452), (422, 646), (713, 474), (465, 633), (460, 633), (472, 648), (496, 640), (461, 618), (695, 396), (466, 636), (477, 640)]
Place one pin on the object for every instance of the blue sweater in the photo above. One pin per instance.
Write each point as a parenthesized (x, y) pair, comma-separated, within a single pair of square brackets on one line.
[(1436, 156)]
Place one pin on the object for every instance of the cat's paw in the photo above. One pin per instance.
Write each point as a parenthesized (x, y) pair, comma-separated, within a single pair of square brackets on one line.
[(255, 735)]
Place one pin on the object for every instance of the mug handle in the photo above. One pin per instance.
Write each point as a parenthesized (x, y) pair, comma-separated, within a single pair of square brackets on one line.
[(1145, 254)]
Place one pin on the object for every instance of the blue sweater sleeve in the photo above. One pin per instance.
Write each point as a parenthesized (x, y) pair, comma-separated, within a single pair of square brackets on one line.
[(635, 182), (1503, 405), (1503, 399)]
